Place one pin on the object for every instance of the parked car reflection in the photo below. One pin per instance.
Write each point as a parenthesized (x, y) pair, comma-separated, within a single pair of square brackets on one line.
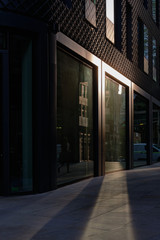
[(140, 152)]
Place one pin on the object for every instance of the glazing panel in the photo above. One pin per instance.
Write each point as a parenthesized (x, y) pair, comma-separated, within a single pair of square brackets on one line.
[(146, 49), (115, 126), (90, 11), (154, 9), (110, 20), (74, 119), (156, 134), (110, 10), (1, 128), (154, 59), (21, 114), (140, 130), (3, 40)]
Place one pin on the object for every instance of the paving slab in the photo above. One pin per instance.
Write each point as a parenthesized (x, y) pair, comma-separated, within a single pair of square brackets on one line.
[(121, 205)]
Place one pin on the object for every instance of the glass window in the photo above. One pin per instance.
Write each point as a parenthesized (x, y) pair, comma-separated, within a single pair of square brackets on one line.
[(156, 133), (74, 119), (145, 3), (90, 11), (129, 31), (68, 3), (154, 9), (143, 51), (3, 40), (154, 59), (20, 113), (140, 44), (110, 20), (140, 130), (146, 69), (115, 126)]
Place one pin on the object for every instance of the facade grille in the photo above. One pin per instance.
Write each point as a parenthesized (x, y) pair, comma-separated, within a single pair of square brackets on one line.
[(73, 23)]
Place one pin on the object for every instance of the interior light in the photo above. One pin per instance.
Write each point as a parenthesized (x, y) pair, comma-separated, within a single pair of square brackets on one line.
[(120, 89)]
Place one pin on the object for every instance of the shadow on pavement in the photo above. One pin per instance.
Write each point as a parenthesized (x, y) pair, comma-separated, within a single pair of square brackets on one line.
[(70, 221)]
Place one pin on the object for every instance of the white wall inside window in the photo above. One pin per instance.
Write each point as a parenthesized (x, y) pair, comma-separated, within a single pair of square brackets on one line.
[(110, 10)]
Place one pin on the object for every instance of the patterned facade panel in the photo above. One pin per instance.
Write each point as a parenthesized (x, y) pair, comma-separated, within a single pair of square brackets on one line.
[(74, 25), (37, 8), (70, 16)]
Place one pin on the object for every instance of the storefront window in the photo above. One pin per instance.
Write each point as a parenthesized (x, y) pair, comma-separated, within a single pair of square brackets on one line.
[(74, 119), (140, 130), (20, 114), (115, 126), (156, 134)]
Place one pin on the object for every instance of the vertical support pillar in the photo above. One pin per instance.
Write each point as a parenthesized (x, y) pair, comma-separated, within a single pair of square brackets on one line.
[(150, 142), (5, 125), (103, 117), (52, 106), (130, 126)]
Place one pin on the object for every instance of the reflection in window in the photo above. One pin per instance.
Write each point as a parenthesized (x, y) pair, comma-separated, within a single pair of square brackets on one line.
[(145, 3), (154, 59), (146, 49), (110, 20), (143, 51), (140, 130), (74, 119), (129, 30), (3, 40), (115, 126), (140, 45), (156, 133), (90, 11), (21, 114), (154, 7), (68, 3)]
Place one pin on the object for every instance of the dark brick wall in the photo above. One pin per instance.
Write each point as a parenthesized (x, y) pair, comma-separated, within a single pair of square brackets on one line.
[(72, 22)]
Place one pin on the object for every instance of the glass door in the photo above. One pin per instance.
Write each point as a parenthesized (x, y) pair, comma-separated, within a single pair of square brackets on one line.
[(115, 125)]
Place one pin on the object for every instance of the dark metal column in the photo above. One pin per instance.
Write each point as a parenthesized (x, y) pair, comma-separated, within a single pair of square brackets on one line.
[(52, 106), (5, 187), (150, 124)]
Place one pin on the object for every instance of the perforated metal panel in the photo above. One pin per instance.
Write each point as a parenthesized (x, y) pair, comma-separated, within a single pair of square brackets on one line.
[(37, 8), (73, 23)]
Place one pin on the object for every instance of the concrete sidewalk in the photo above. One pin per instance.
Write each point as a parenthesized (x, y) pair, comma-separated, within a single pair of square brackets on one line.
[(123, 205)]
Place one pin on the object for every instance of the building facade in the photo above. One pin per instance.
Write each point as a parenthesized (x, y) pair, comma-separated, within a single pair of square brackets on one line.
[(80, 86)]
